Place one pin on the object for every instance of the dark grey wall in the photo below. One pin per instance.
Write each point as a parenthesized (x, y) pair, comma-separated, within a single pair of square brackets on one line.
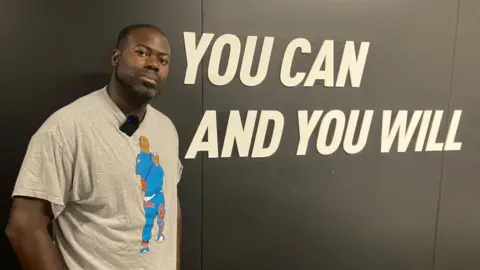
[(365, 211), (459, 217), (397, 211)]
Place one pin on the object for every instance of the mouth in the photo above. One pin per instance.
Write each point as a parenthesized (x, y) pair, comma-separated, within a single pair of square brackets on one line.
[(149, 80)]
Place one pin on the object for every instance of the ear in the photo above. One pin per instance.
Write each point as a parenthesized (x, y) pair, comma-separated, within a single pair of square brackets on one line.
[(115, 55)]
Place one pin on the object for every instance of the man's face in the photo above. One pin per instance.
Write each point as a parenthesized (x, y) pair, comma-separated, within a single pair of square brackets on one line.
[(142, 63)]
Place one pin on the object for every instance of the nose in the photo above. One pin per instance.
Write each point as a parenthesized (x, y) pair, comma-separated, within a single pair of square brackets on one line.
[(152, 64)]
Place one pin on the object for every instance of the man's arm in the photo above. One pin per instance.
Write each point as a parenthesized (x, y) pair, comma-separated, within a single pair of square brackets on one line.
[(179, 234), (27, 230)]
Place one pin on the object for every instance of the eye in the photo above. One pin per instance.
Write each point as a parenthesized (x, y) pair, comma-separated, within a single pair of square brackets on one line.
[(141, 53), (163, 61)]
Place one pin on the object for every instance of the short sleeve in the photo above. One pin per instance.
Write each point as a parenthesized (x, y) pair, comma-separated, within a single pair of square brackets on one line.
[(179, 167), (46, 172), (179, 170)]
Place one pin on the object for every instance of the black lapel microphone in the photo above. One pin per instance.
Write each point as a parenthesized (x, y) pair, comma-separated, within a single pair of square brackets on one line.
[(130, 125)]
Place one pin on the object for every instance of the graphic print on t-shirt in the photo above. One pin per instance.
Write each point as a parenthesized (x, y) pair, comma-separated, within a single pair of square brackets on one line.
[(151, 178)]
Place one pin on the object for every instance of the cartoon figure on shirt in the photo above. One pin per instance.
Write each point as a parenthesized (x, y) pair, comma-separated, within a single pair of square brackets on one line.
[(151, 178)]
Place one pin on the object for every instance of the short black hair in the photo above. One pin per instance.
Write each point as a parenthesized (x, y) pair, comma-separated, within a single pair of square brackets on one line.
[(127, 29)]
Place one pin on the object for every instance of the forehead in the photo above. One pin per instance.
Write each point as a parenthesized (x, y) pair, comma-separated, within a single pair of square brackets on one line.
[(150, 38)]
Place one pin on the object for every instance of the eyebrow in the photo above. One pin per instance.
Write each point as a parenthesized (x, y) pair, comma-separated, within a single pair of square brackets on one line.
[(149, 48)]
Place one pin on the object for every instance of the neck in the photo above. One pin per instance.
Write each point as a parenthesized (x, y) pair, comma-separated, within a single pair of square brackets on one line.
[(125, 102)]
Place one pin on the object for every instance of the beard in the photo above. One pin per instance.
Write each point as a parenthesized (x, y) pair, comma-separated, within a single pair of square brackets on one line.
[(135, 88)]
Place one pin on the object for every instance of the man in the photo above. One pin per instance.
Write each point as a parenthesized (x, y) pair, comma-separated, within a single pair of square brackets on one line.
[(83, 173)]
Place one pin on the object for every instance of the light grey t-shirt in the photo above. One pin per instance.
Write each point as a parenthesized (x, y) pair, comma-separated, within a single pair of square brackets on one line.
[(114, 197)]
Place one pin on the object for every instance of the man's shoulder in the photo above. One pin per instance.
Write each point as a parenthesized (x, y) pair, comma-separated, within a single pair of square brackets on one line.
[(163, 119), (64, 119)]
